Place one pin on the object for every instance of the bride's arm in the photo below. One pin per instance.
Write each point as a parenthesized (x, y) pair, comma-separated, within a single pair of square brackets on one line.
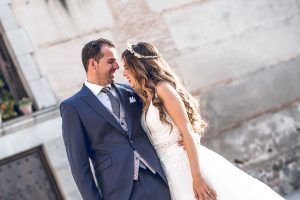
[(176, 109)]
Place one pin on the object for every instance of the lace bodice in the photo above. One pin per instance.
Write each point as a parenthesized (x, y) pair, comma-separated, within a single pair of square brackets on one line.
[(160, 134)]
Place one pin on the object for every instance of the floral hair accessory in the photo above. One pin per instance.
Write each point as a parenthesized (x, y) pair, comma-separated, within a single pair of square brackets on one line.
[(131, 50)]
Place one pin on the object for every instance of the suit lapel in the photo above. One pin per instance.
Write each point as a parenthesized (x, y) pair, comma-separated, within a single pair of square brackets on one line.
[(96, 105), (124, 98)]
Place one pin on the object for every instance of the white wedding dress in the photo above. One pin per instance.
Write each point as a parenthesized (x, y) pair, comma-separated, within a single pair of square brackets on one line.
[(229, 182)]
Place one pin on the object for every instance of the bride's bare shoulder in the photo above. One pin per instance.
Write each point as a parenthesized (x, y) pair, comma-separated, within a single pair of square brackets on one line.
[(165, 90)]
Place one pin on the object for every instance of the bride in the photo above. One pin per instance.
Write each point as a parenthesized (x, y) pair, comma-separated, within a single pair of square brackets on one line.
[(170, 114)]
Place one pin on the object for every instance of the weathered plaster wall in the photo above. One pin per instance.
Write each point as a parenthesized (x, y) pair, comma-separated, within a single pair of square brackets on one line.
[(241, 58)]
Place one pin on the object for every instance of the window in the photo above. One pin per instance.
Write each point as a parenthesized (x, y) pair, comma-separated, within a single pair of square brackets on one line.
[(14, 100)]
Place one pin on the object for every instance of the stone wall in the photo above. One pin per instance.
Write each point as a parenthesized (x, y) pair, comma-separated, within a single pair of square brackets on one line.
[(241, 58)]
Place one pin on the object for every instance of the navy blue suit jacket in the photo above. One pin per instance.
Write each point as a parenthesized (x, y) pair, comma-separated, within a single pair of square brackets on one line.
[(90, 131)]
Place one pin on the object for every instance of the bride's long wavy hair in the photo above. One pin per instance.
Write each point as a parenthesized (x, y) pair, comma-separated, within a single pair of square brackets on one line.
[(148, 68)]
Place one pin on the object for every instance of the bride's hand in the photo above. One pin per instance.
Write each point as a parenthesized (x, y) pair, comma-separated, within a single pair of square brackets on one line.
[(203, 191)]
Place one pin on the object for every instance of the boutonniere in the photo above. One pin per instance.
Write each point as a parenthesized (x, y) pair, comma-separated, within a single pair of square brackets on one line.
[(132, 99)]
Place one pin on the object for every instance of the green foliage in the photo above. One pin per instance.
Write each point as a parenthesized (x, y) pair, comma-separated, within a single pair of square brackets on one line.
[(24, 102), (7, 103)]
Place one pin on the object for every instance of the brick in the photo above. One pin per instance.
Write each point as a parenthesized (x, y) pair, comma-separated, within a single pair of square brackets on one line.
[(282, 172), (28, 67), (150, 27), (252, 95), (53, 23), (61, 168), (7, 18), (158, 6), (293, 196), (65, 59), (42, 93), (4, 2), (259, 139), (19, 42), (266, 147), (215, 63), (217, 20), (67, 183), (54, 148)]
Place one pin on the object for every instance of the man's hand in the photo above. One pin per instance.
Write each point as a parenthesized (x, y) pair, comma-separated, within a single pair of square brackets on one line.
[(181, 143)]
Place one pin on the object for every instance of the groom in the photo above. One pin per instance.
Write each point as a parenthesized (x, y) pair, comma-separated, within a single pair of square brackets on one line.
[(101, 122)]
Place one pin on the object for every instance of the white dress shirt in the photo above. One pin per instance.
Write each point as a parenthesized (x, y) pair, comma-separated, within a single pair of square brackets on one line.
[(104, 99)]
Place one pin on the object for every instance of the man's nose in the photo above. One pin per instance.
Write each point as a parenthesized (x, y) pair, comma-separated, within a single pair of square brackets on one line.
[(116, 65)]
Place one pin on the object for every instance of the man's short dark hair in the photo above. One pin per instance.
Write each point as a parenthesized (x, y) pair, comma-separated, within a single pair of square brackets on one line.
[(92, 49)]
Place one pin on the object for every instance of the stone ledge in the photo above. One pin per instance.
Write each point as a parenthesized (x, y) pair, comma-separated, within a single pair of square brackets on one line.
[(30, 136), (22, 122), (215, 64)]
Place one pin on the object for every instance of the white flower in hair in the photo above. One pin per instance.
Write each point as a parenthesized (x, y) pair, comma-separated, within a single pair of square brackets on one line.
[(129, 48)]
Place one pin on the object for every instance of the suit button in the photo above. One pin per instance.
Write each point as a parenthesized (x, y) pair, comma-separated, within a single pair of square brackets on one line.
[(131, 141)]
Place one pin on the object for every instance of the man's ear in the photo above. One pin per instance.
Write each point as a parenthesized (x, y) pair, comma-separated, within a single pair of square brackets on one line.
[(92, 64)]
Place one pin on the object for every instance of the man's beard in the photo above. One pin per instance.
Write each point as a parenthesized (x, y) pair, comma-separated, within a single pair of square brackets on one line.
[(111, 76), (104, 80)]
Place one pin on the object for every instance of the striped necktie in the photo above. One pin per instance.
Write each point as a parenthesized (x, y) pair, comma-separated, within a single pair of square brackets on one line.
[(115, 104)]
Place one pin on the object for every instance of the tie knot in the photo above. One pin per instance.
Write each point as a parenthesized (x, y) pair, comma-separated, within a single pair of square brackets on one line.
[(105, 89)]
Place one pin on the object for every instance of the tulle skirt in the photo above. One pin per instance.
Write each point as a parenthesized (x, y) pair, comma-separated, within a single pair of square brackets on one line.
[(228, 181)]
